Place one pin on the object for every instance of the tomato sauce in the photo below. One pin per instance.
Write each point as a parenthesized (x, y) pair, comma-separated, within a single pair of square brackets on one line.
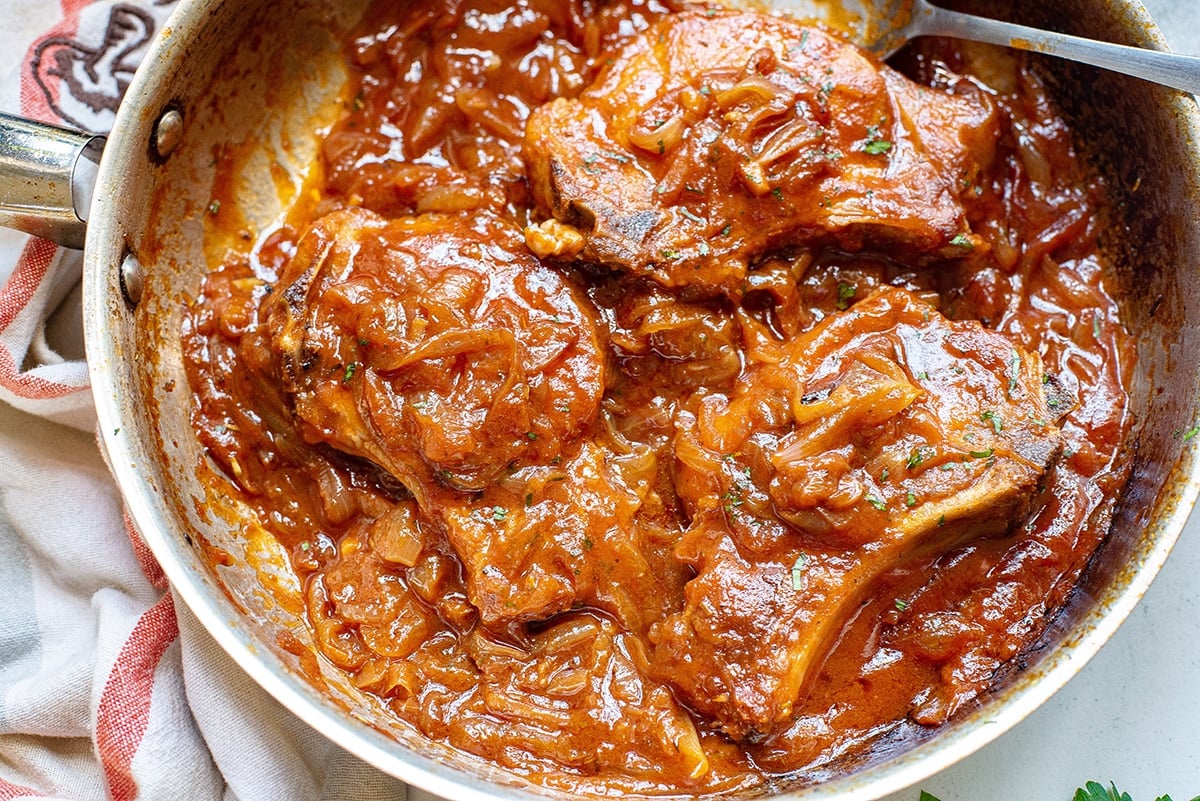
[(651, 417)]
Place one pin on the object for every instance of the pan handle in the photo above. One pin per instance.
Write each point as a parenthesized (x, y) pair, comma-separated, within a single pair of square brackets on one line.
[(47, 176)]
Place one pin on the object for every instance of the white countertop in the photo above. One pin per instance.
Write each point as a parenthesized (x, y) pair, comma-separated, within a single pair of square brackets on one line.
[(1132, 715)]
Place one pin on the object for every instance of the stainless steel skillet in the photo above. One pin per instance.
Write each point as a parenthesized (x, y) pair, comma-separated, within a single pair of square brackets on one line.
[(257, 79)]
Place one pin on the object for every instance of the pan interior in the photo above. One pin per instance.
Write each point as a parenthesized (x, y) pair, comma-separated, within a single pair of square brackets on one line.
[(257, 82)]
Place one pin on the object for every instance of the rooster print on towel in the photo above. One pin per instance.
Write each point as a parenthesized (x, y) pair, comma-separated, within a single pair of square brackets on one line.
[(80, 70)]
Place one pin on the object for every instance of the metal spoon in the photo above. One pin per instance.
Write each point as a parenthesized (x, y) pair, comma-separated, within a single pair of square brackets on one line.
[(883, 27)]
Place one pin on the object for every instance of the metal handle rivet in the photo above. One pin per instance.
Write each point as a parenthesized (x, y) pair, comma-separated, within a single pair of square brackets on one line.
[(168, 133), (132, 280)]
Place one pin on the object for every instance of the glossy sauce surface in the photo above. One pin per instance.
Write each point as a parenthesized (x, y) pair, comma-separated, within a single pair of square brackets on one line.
[(666, 400)]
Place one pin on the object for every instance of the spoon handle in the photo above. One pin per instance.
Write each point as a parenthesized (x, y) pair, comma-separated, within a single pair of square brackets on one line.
[(1168, 69)]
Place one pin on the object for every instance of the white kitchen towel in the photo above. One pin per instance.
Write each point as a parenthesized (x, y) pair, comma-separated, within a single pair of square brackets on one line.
[(109, 688)]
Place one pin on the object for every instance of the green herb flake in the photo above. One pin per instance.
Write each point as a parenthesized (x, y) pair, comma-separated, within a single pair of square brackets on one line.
[(901, 605), (798, 572), (988, 454), (910, 500), (1191, 433), (884, 475), (875, 144), (777, 193), (662, 148), (845, 294), (991, 417), (928, 797), (962, 241), (671, 254), (915, 458), (528, 499), (304, 546), (214, 207), (499, 513), (876, 502), (941, 520), (351, 368), (1014, 362), (588, 544), (531, 436)]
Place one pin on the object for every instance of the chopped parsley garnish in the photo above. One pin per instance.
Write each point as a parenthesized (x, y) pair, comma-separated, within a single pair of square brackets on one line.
[(499, 513), (991, 417), (1014, 361), (901, 605), (214, 207), (915, 458), (350, 370), (876, 502), (732, 500), (846, 293), (531, 435), (910, 500), (962, 241), (988, 454), (876, 145), (1190, 433), (798, 572), (670, 253), (528, 499)]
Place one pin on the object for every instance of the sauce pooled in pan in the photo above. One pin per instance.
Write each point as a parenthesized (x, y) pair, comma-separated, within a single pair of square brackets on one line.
[(666, 399)]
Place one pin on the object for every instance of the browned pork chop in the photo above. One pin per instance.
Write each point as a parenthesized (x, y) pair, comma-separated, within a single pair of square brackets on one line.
[(717, 136)]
